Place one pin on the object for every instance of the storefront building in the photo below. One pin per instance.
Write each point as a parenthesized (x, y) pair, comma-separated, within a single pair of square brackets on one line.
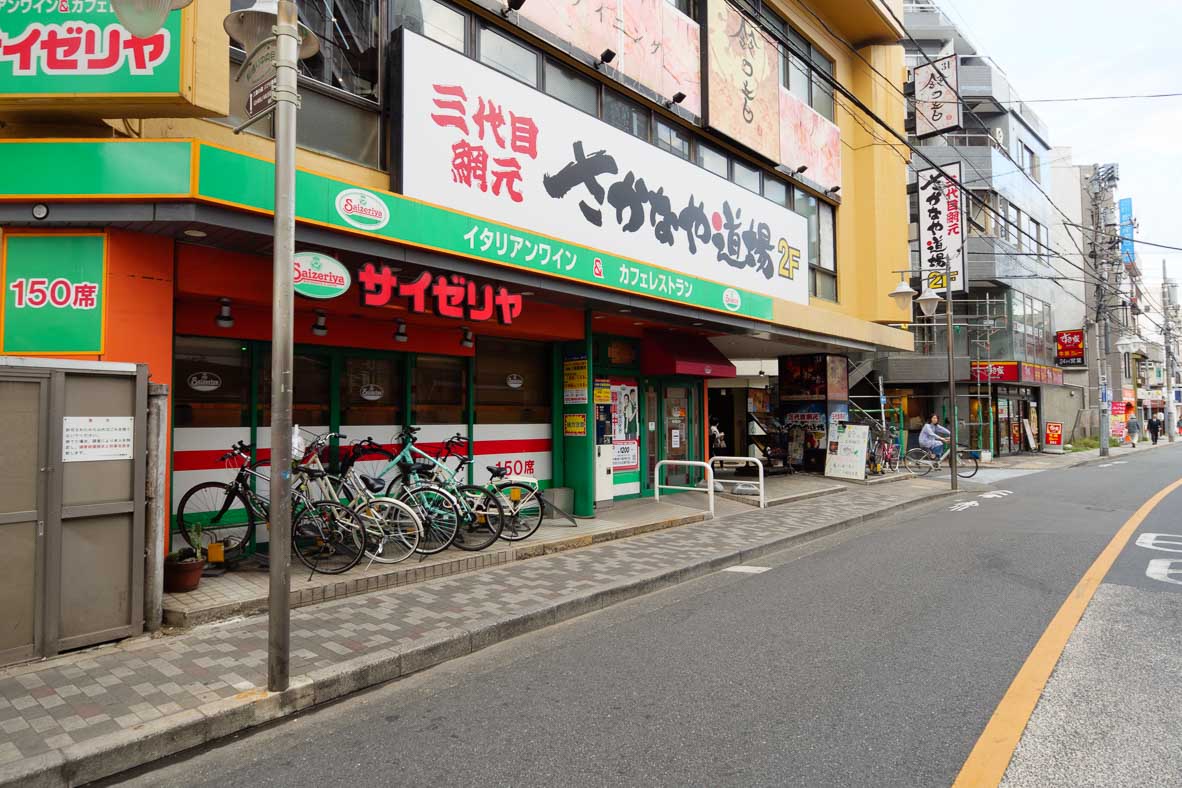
[(500, 234)]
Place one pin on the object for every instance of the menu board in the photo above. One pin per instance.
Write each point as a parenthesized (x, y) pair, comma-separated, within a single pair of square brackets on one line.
[(847, 450)]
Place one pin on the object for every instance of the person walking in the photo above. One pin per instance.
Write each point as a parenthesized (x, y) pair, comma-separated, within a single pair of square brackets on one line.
[(933, 437), (1154, 428), (1134, 429)]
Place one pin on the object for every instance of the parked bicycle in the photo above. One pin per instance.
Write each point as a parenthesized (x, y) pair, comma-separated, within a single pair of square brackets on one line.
[(227, 512), (921, 462)]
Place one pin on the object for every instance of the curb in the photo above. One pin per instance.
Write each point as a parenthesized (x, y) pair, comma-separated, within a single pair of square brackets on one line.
[(142, 744)]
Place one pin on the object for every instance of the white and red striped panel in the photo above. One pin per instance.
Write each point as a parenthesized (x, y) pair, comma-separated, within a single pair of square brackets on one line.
[(525, 449)]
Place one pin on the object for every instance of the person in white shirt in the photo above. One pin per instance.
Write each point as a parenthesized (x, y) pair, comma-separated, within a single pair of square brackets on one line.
[(933, 437)]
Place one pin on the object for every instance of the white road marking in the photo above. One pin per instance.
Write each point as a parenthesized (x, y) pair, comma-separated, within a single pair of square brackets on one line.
[(1114, 462), (997, 494), (1167, 570), (747, 569), (1167, 543), (962, 506)]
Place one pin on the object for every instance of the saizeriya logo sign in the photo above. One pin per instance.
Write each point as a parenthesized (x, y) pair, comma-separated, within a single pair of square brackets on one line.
[(362, 209), (319, 276)]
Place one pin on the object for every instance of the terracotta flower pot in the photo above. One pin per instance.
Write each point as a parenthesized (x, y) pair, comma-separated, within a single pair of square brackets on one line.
[(182, 576)]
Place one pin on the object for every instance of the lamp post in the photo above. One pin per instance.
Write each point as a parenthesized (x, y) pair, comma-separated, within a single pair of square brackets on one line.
[(928, 303), (252, 27)]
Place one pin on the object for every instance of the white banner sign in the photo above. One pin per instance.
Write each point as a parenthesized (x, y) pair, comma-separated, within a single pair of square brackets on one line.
[(941, 229), (847, 450), (483, 143), (937, 108), (92, 438)]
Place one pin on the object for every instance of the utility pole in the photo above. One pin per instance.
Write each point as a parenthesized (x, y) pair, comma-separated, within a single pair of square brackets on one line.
[(1168, 309), (1103, 178)]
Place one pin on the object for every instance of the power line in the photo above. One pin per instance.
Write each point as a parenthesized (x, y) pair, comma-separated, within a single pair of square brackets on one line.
[(1136, 240), (1093, 98)]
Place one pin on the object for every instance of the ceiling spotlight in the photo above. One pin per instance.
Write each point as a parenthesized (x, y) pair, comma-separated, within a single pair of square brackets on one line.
[(40, 211), (512, 5), (527, 292), (224, 318), (625, 311), (802, 169), (467, 339), (320, 327), (605, 57), (196, 233), (698, 323), (678, 97), (400, 332)]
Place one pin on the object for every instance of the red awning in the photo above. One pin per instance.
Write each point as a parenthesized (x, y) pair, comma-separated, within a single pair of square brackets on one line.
[(670, 354)]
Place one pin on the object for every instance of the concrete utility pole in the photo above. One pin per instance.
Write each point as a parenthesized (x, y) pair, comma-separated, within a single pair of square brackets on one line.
[(286, 102), (1168, 308), (953, 464), (1103, 178)]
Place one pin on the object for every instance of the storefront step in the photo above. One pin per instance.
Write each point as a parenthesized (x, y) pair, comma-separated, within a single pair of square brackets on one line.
[(244, 593), (779, 500)]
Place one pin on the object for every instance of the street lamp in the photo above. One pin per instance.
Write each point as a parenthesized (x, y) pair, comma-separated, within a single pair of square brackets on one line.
[(928, 302), (253, 27)]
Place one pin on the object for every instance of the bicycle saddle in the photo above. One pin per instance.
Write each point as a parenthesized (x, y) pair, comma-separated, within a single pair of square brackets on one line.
[(373, 483), (416, 467), (312, 473), (498, 473)]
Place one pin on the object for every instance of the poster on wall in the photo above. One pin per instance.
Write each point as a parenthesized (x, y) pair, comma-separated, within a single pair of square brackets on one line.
[(940, 232), (574, 425), (838, 378), (574, 380), (625, 425), (803, 378), (806, 424), (847, 451), (743, 85), (489, 146)]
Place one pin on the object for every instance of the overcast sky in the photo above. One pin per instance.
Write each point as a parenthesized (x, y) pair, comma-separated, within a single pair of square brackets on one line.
[(1067, 48)]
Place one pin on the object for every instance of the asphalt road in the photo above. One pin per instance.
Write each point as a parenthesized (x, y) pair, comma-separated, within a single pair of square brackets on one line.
[(874, 657)]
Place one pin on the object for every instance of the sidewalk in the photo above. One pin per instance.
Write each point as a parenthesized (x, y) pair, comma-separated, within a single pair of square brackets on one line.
[(1042, 462), (84, 716)]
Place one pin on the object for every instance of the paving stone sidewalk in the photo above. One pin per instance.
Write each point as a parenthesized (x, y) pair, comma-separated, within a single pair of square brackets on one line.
[(83, 716)]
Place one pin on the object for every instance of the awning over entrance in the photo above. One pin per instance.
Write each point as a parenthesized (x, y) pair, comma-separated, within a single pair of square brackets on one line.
[(679, 355)]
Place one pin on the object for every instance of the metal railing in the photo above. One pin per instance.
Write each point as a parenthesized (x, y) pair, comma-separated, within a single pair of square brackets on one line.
[(689, 464), (758, 463)]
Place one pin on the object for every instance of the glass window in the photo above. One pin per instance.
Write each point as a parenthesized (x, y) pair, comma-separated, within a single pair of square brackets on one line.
[(806, 206), (576, 90), (713, 160), (687, 7), (310, 393), (747, 177), (822, 90), (673, 140), (348, 56), (627, 115), (822, 284), (372, 393), (512, 382), (340, 128), (440, 390), (775, 190), (432, 19), (798, 78), (508, 57), (211, 383), (826, 225), (1016, 232)]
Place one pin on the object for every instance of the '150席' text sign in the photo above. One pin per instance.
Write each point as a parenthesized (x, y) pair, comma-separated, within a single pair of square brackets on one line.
[(485, 144)]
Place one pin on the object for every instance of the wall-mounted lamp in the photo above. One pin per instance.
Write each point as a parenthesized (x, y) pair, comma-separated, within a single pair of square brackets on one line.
[(320, 327), (802, 169), (512, 5), (834, 190), (224, 318), (400, 331), (468, 339), (605, 57), (40, 211), (678, 97)]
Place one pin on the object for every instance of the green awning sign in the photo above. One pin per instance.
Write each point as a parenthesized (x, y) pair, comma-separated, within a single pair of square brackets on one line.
[(54, 293), (320, 276)]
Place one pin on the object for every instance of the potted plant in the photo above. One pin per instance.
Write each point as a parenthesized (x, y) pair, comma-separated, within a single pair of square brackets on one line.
[(183, 568)]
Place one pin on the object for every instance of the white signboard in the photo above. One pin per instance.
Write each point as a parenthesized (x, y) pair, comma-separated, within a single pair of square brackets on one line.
[(91, 438), (941, 229), (480, 142), (937, 108), (847, 451)]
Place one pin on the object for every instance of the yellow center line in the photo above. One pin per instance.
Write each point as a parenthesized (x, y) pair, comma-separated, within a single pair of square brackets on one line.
[(990, 757)]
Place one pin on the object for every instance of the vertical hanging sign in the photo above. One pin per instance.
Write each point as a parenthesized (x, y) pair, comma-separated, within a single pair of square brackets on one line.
[(941, 232), (937, 106)]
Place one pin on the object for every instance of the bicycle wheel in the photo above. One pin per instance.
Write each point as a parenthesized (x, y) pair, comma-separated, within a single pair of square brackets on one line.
[(966, 466), (918, 461), (527, 509), (393, 530), (439, 512), (325, 538), (483, 521), (215, 512)]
